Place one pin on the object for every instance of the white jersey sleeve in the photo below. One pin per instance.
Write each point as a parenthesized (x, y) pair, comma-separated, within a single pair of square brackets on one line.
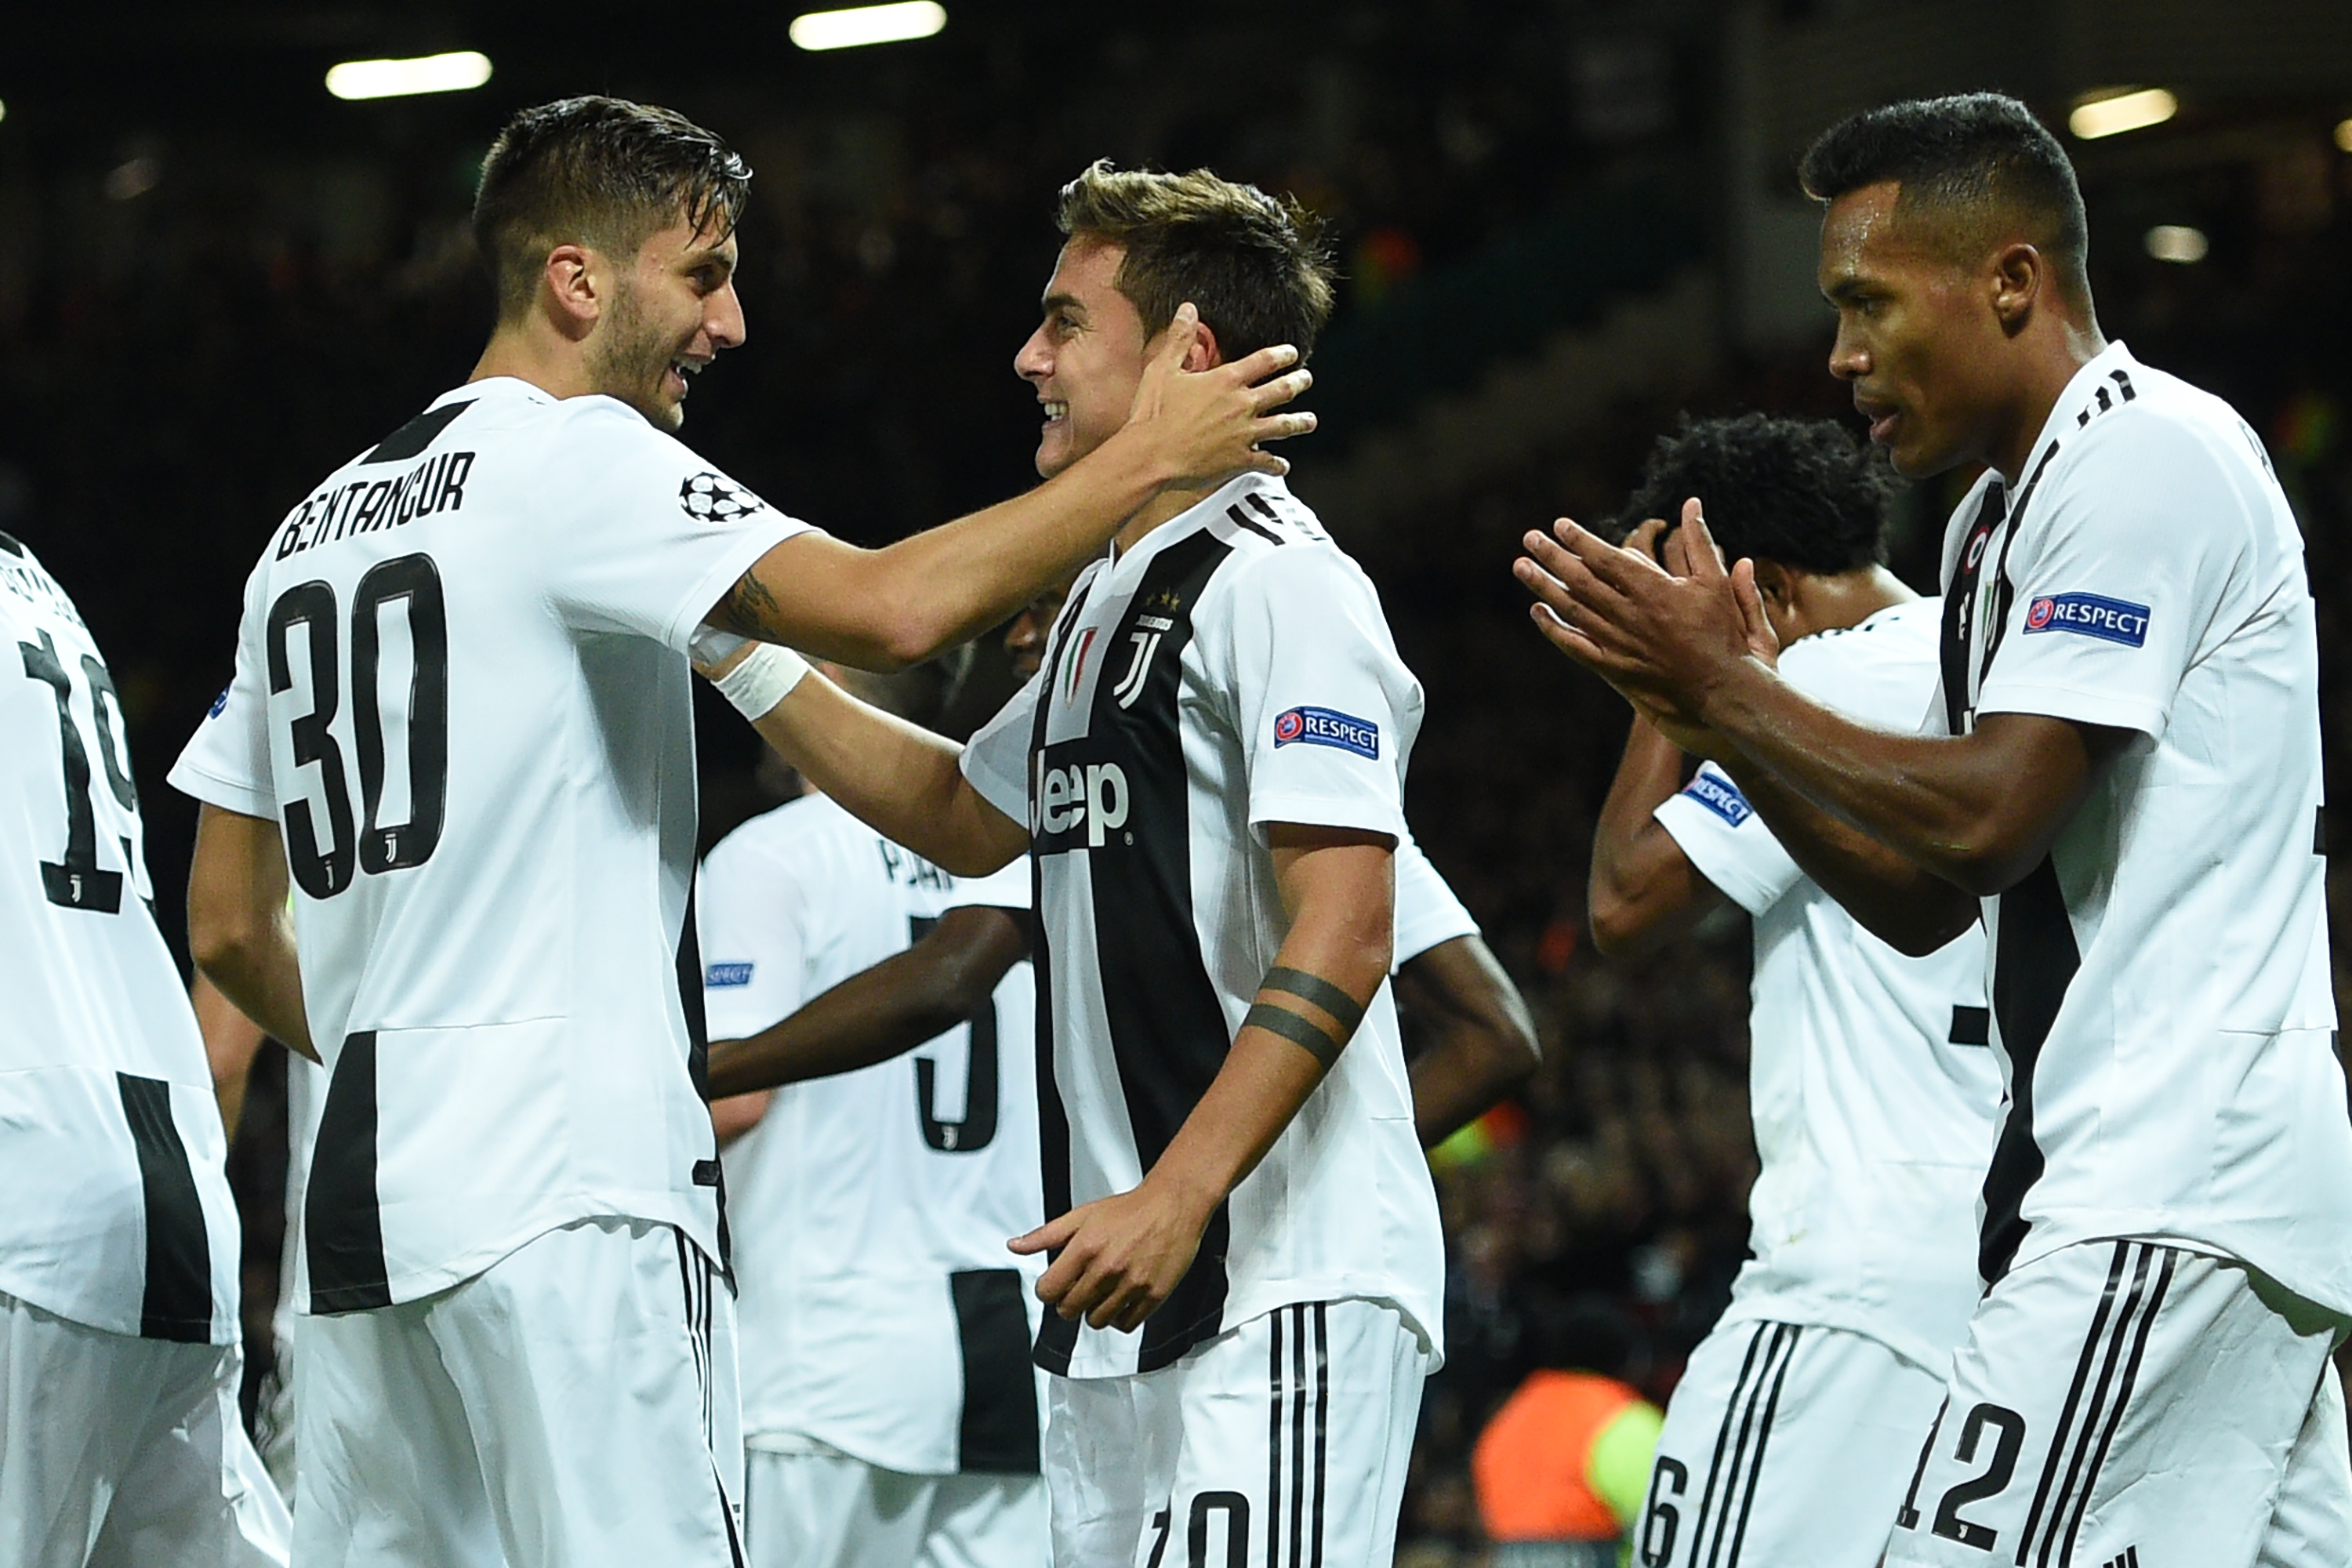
[(1720, 834), (2122, 583), (1326, 709), (651, 536), (1427, 913), (226, 762), (756, 918), (996, 758)]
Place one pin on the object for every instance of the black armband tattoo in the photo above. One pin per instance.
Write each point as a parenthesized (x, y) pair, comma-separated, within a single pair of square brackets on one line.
[(1313, 1038), (1320, 991)]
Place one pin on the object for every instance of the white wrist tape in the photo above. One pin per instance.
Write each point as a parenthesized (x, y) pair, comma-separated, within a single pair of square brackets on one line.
[(766, 675)]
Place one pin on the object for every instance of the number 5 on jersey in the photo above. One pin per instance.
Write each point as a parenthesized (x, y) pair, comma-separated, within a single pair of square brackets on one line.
[(404, 590)]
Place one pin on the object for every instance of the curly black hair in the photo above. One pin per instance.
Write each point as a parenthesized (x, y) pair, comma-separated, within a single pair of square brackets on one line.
[(1802, 493)]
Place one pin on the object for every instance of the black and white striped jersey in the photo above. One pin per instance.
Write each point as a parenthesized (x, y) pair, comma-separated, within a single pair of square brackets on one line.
[(117, 1213), (1232, 670), (462, 691), (2161, 983)]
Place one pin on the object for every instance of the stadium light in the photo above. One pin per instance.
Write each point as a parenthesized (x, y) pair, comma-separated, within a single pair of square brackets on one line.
[(2343, 135), (863, 25), (399, 78), (4, 114), (2112, 113), (2177, 242)]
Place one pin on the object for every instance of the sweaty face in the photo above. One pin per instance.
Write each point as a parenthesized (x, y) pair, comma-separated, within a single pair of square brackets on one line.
[(670, 313), (1916, 335), (1085, 357)]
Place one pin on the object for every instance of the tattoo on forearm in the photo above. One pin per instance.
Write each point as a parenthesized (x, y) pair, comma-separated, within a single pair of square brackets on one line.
[(748, 609), (1320, 991), (1317, 1041)]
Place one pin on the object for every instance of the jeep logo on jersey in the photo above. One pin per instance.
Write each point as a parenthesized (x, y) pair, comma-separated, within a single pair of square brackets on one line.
[(714, 498), (1326, 727), (723, 974), (1088, 798), (2088, 615)]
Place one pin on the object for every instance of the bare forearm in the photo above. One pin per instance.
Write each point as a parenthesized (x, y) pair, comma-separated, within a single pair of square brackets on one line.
[(885, 609), (231, 1042), (260, 976), (1901, 903), (879, 1013), (898, 778), (1966, 810), (1486, 1038), (1644, 892), (240, 931)]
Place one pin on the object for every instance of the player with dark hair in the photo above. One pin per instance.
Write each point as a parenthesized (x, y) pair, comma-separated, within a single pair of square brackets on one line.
[(1246, 1272), (1790, 1437), (2120, 778), (460, 725)]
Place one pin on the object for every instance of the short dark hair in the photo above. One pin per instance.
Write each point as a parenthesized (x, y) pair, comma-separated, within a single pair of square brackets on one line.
[(1968, 154), (1254, 265), (1801, 492), (600, 172)]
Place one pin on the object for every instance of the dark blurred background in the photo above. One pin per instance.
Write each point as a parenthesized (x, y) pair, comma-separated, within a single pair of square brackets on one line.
[(1562, 224)]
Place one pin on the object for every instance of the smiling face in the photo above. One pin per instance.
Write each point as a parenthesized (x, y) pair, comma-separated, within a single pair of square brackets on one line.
[(1919, 333), (671, 311), (1087, 356)]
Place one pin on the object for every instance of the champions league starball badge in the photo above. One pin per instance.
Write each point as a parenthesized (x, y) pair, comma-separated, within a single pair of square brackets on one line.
[(713, 498)]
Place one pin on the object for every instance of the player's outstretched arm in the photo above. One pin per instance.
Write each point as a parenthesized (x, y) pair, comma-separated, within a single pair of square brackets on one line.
[(238, 927), (1486, 1045), (898, 778), (1642, 893), (1977, 811), (1121, 1255), (885, 609), (882, 1012)]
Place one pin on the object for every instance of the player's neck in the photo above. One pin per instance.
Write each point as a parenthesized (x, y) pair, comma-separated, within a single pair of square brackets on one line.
[(526, 354), (1163, 508), (2065, 347), (1834, 603)]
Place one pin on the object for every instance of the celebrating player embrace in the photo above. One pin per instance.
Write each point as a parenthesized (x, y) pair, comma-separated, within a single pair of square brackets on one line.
[(460, 726), (1208, 772)]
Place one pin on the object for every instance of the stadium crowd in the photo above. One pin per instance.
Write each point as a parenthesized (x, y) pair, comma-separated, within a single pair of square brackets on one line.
[(166, 403)]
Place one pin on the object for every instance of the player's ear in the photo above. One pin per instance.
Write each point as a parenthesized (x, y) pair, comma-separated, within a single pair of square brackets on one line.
[(1774, 584), (574, 290), (2018, 274), (1204, 354)]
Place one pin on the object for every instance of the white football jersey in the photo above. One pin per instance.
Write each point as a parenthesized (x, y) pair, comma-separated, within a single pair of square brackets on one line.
[(2161, 983), (117, 1215), (462, 690), (1870, 1075), (1232, 670), (880, 1312), (306, 1097)]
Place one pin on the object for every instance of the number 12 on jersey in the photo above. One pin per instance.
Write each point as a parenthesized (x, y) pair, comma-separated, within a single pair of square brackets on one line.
[(307, 616)]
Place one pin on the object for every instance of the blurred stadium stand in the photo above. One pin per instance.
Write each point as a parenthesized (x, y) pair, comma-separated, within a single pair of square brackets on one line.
[(1563, 223)]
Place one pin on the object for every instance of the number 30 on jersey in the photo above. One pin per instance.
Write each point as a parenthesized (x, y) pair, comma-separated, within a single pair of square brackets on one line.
[(305, 633)]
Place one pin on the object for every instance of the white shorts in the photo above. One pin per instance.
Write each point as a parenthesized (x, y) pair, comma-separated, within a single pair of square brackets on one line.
[(1786, 1445), (826, 1510), (125, 1453), (2129, 1403), (273, 1418), (574, 1406), (1279, 1444)]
